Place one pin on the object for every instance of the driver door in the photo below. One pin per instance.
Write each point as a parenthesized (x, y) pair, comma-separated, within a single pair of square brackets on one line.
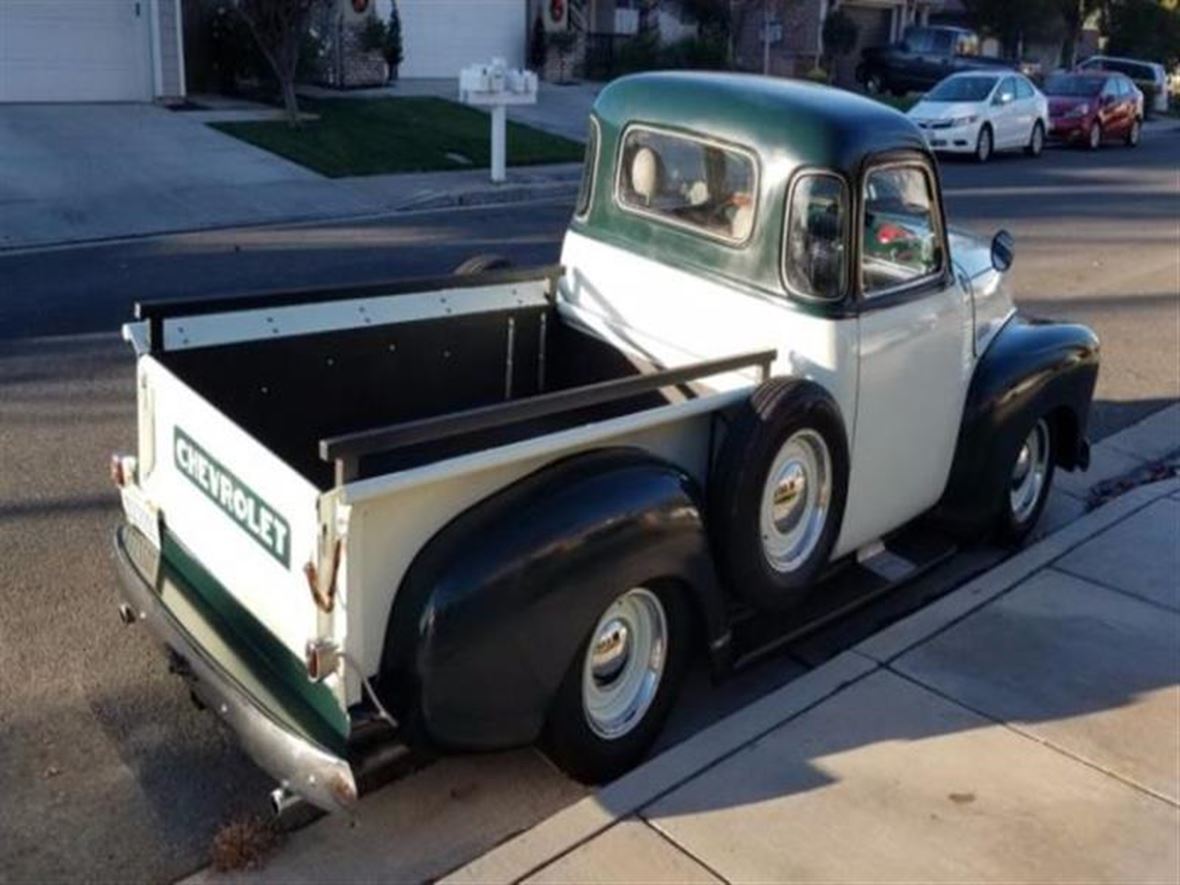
[(914, 350)]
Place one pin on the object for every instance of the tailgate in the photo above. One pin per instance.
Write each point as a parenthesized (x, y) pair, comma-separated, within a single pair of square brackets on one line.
[(237, 508)]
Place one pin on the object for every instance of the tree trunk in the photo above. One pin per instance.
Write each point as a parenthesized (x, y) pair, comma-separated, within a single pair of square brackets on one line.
[(290, 101)]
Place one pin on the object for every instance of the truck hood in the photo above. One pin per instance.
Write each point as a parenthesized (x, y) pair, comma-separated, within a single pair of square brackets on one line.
[(970, 253)]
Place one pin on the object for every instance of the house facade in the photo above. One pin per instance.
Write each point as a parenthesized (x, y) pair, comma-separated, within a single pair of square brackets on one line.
[(90, 50), (801, 45)]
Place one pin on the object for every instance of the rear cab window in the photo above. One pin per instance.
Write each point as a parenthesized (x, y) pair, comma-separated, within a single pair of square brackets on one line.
[(689, 182), (901, 229), (817, 230)]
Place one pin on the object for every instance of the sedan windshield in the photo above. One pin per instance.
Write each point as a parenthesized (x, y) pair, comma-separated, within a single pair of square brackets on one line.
[(962, 89), (1067, 84)]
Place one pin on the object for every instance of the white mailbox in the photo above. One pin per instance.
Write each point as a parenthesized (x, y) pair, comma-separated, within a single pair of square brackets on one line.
[(496, 86)]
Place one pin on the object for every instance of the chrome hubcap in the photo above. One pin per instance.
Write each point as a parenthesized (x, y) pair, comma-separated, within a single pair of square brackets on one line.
[(624, 663), (1029, 471), (795, 500)]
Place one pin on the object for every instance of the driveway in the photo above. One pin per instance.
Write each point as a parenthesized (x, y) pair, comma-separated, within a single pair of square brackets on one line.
[(79, 172), (73, 173)]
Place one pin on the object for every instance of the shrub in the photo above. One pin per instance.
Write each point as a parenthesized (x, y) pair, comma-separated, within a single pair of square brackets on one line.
[(393, 50), (373, 35), (537, 45)]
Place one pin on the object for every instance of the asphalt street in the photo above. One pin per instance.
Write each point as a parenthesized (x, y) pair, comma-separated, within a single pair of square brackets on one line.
[(107, 771)]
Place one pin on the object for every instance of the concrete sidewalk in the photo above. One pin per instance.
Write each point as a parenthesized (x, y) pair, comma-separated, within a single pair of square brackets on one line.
[(1024, 728), (83, 173)]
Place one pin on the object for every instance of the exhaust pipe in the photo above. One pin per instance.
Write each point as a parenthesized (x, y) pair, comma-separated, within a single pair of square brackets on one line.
[(127, 614), (283, 800)]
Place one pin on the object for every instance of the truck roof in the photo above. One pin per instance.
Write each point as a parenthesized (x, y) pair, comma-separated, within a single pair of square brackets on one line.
[(807, 122)]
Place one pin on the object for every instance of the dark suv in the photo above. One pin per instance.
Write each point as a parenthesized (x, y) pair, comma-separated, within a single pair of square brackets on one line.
[(925, 56)]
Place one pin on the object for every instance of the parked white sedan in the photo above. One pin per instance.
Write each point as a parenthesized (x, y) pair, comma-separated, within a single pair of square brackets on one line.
[(981, 112)]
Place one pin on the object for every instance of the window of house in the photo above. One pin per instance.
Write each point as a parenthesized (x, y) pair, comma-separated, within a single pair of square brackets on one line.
[(688, 182), (589, 164), (814, 264), (901, 239)]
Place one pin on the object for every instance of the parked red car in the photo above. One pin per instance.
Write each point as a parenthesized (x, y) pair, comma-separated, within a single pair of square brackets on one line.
[(1089, 107)]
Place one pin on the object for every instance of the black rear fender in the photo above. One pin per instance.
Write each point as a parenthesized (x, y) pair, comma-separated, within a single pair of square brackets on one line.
[(1032, 369), (494, 608)]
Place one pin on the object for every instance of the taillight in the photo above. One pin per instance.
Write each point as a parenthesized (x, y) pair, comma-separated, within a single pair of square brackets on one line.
[(122, 469)]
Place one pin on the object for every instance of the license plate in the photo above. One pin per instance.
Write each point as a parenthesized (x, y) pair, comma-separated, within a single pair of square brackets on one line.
[(142, 514)]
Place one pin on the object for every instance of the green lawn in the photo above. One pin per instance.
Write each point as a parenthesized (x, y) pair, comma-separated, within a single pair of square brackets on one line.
[(356, 136)]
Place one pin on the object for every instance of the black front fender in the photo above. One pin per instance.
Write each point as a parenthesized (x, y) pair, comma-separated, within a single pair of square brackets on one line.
[(1033, 369), (494, 608)]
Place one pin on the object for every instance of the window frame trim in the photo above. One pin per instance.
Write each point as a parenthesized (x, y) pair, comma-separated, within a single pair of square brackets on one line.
[(585, 214), (673, 223), (796, 177), (914, 287)]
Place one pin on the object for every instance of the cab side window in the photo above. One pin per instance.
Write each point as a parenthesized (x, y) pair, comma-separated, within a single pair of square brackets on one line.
[(688, 182), (814, 264), (900, 235)]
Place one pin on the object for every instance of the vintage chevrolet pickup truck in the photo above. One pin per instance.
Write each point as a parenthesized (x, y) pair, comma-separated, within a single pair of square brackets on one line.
[(503, 507)]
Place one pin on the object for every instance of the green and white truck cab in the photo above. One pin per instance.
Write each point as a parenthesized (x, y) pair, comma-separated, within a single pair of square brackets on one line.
[(503, 506)]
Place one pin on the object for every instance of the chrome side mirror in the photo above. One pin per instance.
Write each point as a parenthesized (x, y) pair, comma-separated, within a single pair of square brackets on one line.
[(1003, 251)]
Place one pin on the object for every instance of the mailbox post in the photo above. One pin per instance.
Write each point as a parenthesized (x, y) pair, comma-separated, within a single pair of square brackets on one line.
[(496, 86)]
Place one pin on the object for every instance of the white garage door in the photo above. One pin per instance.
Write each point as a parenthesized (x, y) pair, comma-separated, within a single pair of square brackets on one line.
[(74, 50), (441, 36)]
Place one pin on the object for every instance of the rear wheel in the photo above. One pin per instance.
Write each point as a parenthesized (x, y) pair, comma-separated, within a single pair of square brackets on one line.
[(620, 687), (1030, 477), (1094, 136), (1134, 133), (778, 493), (1036, 141), (984, 145)]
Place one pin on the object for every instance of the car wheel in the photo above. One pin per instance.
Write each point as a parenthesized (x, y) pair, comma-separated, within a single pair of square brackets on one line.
[(1029, 479), (1094, 136), (777, 494), (1134, 133), (984, 144), (481, 264), (621, 685), (1036, 141)]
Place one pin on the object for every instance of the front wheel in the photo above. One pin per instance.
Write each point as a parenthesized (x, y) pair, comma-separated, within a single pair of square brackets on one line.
[(619, 689), (1036, 141), (1029, 479), (984, 145), (1134, 133)]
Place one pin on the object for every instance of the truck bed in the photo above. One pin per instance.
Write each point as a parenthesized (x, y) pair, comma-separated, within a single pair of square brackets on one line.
[(291, 392)]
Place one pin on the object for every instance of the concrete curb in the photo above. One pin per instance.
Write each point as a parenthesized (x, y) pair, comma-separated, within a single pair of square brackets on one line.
[(530, 851)]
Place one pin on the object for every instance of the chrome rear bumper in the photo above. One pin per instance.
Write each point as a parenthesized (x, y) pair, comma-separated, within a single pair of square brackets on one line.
[(323, 778)]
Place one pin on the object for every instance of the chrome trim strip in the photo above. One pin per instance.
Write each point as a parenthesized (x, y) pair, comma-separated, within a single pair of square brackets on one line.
[(322, 778)]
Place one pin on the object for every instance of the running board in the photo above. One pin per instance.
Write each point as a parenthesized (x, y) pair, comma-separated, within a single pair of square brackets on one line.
[(852, 583)]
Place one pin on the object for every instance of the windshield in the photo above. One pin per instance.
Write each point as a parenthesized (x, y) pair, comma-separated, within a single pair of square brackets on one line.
[(1066, 84), (962, 89)]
